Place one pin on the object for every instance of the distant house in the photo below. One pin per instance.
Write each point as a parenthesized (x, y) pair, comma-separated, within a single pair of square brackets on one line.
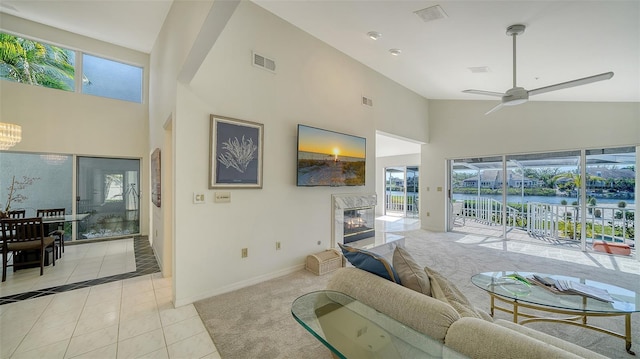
[(602, 178), (607, 176), (493, 179)]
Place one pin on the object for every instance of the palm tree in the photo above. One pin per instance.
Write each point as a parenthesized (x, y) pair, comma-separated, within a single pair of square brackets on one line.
[(35, 63)]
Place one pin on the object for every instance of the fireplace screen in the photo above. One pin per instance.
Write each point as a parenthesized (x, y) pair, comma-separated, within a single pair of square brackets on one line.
[(358, 224)]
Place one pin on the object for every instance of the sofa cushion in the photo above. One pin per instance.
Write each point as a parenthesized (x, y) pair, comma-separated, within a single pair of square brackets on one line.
[(444, 290), (480, 339), (370, 262), (418, 311), (411, 274), (556, 342)]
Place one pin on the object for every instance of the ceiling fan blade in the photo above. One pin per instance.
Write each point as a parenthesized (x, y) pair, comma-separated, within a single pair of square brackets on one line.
[(481, 92), (499, 106), (573, 83)]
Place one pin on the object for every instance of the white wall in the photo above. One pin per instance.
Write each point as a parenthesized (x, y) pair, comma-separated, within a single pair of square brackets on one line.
[(459, 129), (55, 121), (181, 27), (314, 85)]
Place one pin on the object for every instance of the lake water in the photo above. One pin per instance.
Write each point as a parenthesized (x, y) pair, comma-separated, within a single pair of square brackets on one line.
[(546, 199), (540, 199)]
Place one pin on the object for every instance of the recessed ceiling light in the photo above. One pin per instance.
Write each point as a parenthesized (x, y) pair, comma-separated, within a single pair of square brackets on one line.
[(374, 35), (395, 52)]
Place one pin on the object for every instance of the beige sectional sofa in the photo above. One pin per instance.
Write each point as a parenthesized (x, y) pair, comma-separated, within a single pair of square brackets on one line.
[(473, 334)]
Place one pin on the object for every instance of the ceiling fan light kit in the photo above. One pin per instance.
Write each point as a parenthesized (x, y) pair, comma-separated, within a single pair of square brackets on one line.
[(518, 95)]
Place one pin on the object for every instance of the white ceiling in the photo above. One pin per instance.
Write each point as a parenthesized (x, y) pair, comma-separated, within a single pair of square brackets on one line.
[(387, 145), (133, 24), (564, 40)]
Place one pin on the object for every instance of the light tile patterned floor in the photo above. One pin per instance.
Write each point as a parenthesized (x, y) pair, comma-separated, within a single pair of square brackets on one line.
[(131, 318), (101, 300), (79, 263)]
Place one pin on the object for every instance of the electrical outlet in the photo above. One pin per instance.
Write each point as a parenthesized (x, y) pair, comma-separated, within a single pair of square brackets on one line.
[(278, 246), (245, 252)]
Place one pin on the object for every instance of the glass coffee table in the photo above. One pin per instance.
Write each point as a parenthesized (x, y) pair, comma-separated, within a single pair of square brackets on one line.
[(351, 329), (505, 289)]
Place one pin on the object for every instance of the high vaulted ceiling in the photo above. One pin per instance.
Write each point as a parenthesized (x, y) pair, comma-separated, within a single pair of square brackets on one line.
[(564, 40)]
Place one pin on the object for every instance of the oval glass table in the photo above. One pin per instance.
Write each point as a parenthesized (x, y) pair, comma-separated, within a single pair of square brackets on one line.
[(351, 329), (538, 291)]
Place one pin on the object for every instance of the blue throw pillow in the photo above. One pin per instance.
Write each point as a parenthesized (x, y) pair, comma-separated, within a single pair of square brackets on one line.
[(370, 262)]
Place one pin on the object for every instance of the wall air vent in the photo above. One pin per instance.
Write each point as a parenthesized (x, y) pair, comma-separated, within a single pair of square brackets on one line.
[(263, 62), (367, 101)]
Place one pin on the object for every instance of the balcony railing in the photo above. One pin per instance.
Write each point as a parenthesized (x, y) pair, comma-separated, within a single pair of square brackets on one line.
[(397, 202), (556, 221)]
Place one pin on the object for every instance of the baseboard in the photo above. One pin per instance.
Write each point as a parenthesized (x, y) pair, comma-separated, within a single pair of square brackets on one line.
[(238, 285)]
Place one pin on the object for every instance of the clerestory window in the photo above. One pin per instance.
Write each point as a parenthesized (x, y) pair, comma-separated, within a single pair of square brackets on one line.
[(40, 64)]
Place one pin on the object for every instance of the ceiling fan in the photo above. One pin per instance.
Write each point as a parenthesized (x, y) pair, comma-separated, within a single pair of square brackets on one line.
[(517, 95)]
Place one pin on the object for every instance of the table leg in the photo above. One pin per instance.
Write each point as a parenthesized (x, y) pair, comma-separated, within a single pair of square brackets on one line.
[(493, 302), (627, 333)]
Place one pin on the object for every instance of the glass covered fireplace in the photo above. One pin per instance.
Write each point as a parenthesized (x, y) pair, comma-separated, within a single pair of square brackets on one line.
[(358, 224)]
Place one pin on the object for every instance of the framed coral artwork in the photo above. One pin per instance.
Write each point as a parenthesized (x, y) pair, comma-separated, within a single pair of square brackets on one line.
[(235, 156)]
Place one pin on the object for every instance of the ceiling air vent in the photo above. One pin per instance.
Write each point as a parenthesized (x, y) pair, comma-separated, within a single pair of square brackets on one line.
[(264, 62), (431, 13), (367, 101), (478, 69)]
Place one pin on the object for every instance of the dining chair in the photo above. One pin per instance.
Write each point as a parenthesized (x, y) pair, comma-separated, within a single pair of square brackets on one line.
[(55, 229), (20, 235), (18, 213)]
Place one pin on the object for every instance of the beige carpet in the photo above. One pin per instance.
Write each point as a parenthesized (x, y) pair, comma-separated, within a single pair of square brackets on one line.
[(256, 322)]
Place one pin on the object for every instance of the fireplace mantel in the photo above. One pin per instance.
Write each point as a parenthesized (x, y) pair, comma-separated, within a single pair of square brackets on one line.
[(342, 202), (382, 243)]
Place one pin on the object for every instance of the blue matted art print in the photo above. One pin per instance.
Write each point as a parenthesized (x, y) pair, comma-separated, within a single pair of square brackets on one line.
[(235, 153)]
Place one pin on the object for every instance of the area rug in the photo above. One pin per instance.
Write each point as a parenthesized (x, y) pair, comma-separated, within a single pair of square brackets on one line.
[(256, 322)]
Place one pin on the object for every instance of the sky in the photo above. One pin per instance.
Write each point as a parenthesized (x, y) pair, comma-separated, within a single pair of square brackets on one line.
[(316, 140)]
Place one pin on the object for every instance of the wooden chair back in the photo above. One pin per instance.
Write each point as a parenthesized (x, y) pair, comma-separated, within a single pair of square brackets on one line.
[(19, 213), (51, 212), (22, 230), (22, 234)]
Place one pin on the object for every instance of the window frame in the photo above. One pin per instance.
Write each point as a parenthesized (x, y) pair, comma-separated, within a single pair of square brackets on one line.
[(78, 66)]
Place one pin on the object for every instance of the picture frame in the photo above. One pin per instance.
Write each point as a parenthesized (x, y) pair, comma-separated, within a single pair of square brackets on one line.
[(235, 153), (156, 185)]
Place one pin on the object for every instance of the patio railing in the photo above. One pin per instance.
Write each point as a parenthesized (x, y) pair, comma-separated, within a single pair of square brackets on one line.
[(396, 203), (564, 221), (488, 211), (556, 221)]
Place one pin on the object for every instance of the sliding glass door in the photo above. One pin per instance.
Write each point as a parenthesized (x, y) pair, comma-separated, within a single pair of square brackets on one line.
[(109, 190), (572, 198), (401, 198)]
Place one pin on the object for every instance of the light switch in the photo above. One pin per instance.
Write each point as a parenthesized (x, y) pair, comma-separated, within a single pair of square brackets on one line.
[(222, 197), (198, 198)]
